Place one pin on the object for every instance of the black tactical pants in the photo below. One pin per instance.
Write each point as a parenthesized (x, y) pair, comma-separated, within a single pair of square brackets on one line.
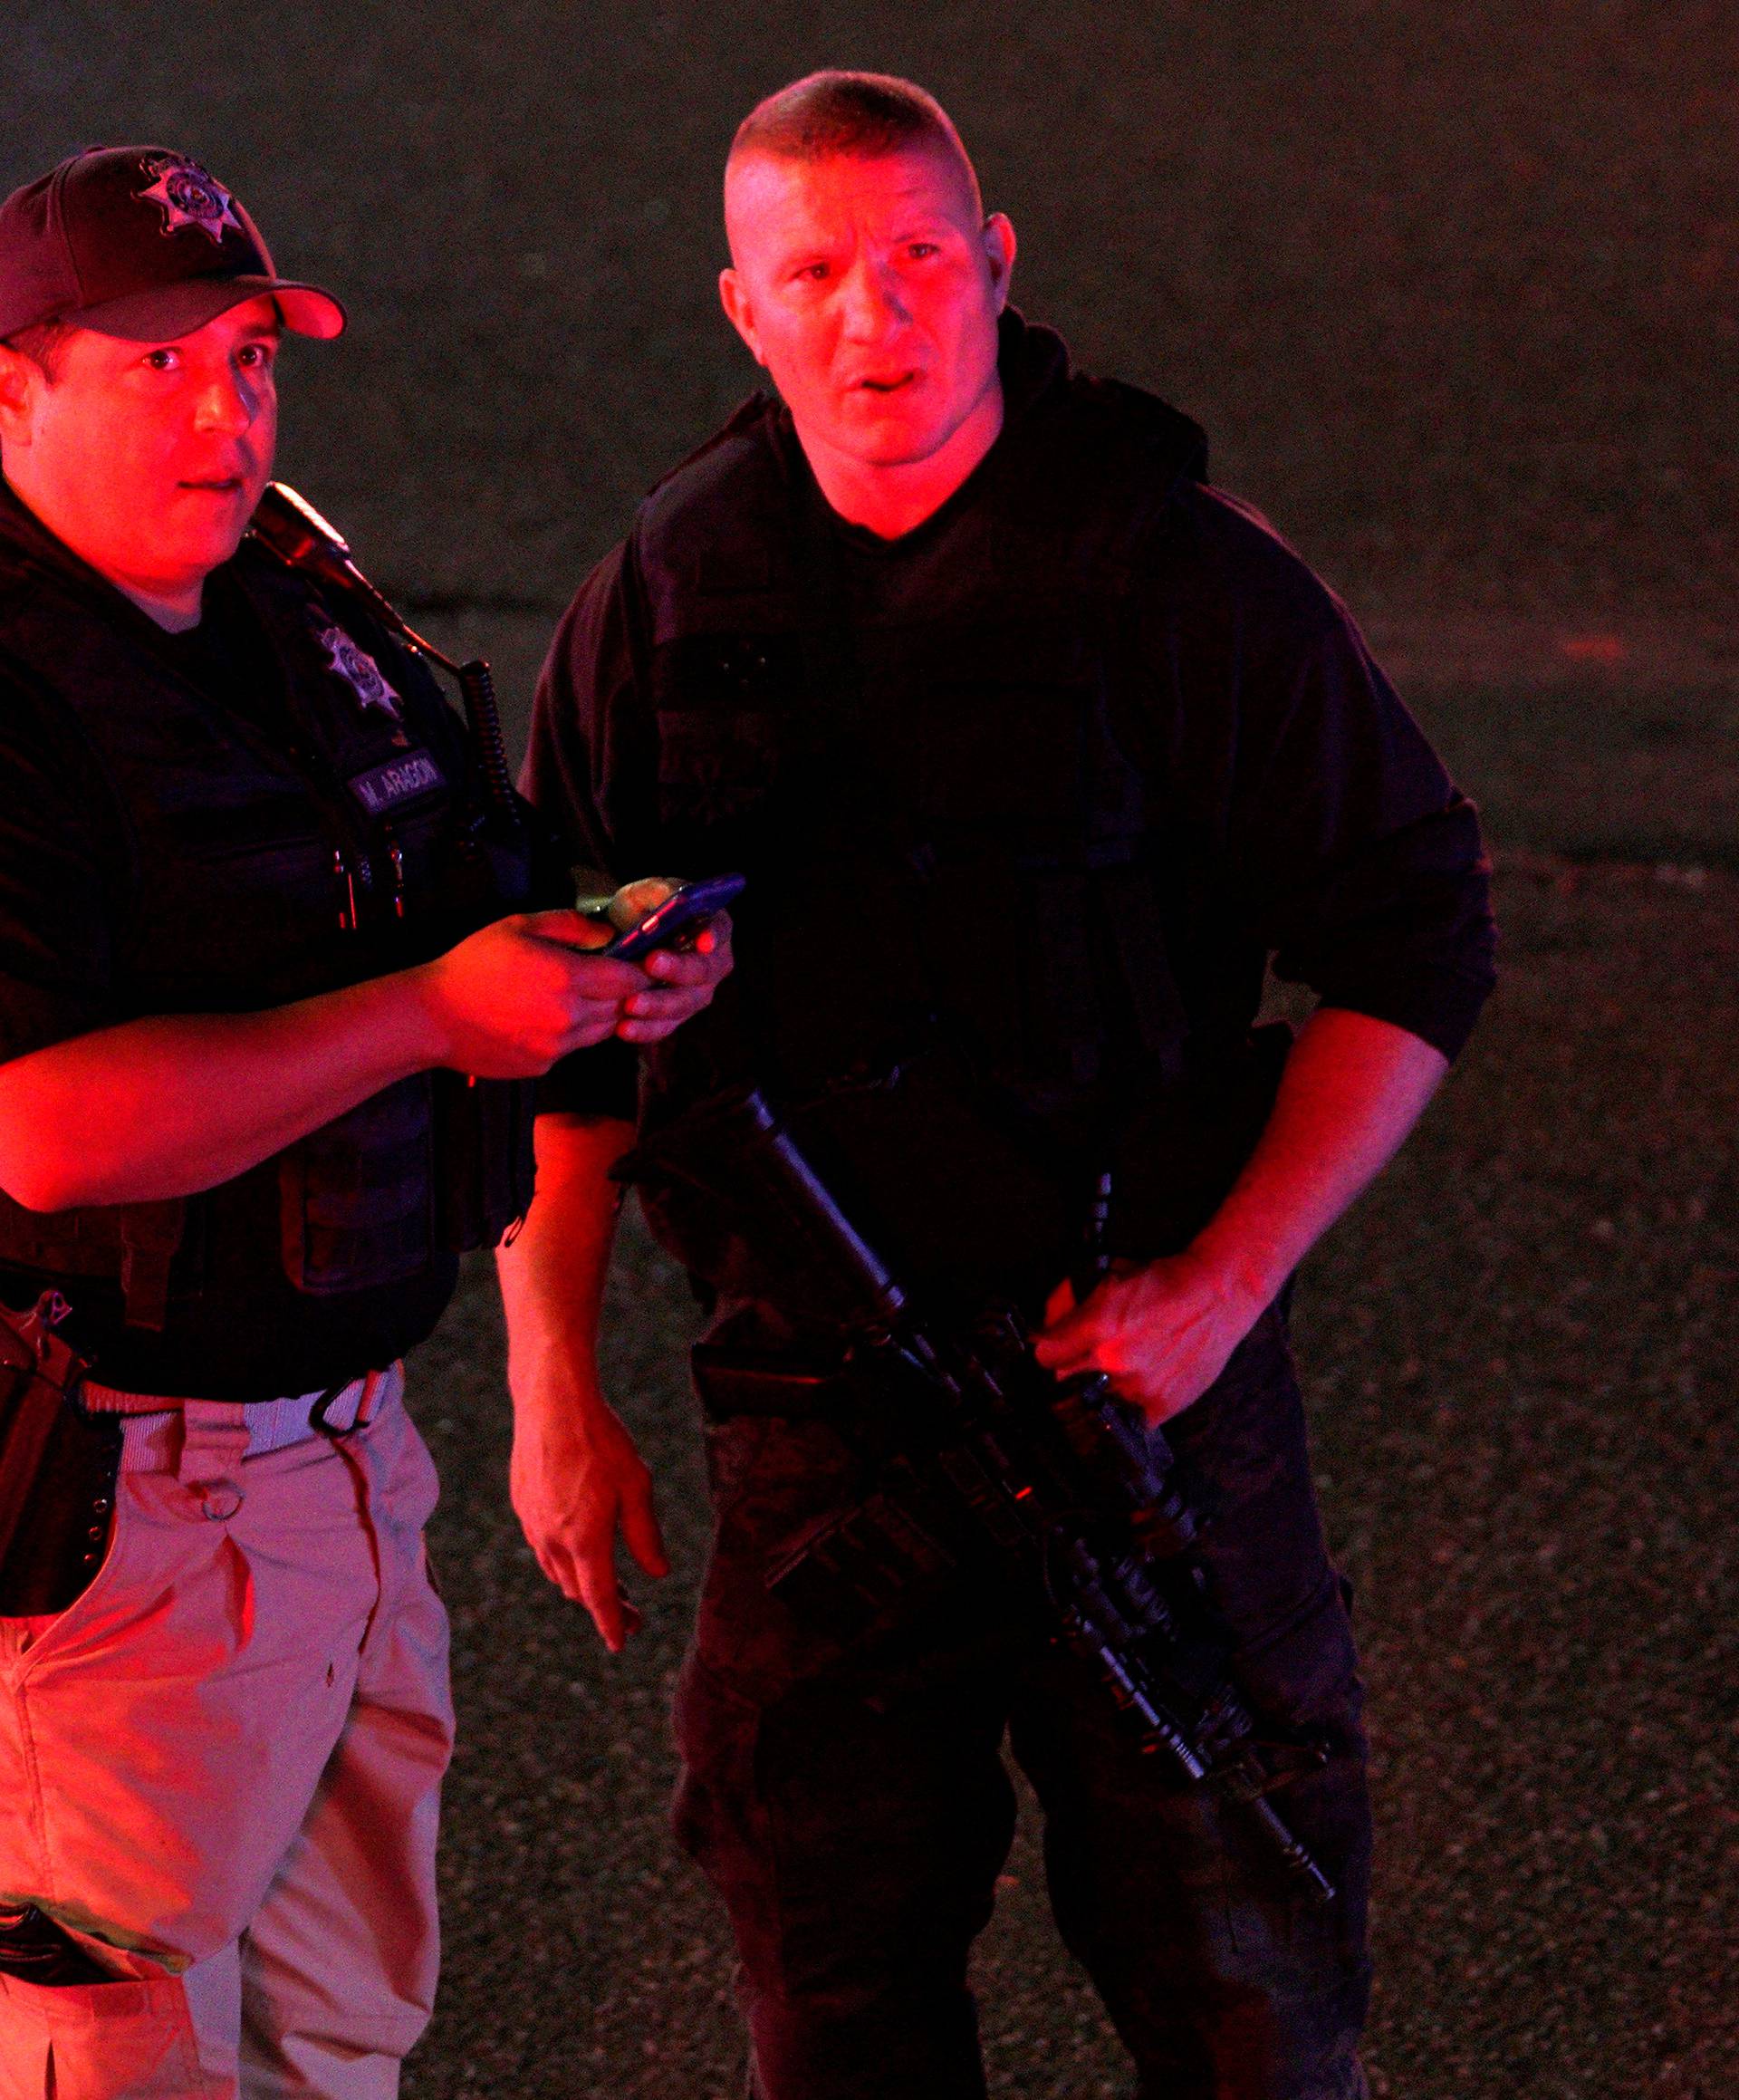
[(857, 1849)]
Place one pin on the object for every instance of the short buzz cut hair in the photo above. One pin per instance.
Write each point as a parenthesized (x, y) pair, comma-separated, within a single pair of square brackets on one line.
[(856, 116)]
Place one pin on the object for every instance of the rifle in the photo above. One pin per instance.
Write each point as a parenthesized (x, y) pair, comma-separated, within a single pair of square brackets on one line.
[(1060, 1477)]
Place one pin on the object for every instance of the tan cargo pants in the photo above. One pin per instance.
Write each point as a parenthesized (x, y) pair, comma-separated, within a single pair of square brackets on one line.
[(220, 1771)]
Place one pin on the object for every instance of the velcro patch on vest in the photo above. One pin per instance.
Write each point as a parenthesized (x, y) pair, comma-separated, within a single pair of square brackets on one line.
[(384, 788)]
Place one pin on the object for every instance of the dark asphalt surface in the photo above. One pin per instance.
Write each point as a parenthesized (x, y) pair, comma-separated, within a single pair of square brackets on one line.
[(1453, 288)]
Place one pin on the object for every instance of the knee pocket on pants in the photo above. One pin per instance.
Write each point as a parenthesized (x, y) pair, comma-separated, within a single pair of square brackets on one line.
[(88, 2041), (844, 1853), (717, 1731), (1303, 1673)]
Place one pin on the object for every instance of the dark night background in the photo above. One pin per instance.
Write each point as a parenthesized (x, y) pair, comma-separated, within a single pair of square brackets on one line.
[(1455, 290)]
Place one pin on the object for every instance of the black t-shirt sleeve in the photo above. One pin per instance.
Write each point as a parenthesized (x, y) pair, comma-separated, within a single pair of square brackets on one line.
[(1349, 851), (59, 888), (581, 723)]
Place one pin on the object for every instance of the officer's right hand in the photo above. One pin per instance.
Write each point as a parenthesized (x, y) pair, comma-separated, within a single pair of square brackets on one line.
[(516, 995)]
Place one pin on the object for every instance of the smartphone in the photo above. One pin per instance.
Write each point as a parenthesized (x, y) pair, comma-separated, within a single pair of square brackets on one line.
[(678, 921)]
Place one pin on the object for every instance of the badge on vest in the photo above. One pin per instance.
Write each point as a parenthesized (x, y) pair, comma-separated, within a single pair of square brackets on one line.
[(359, 670), (384, 788)]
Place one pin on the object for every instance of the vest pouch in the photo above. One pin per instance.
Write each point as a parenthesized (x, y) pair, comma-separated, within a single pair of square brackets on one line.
[(137, 1244), (484, 1161), (714, 763), (724, 700), (357, 1195)]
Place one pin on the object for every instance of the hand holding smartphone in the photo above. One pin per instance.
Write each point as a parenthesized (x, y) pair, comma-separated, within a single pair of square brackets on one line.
[(678, 921)]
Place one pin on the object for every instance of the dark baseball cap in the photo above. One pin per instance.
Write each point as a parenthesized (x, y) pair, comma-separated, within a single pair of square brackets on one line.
[(139, 242)]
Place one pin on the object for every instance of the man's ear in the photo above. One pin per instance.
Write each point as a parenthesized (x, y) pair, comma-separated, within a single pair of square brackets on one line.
[(739, 312), (998, 237), (19, 375)]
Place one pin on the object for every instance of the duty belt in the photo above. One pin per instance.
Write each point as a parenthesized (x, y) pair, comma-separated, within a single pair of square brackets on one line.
[(272, 1425)]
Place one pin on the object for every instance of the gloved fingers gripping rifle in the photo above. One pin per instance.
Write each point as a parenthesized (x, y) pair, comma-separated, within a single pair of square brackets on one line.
[(1062, 1481), (290, 527)]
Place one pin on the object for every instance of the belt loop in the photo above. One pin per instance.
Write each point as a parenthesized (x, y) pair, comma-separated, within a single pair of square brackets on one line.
[(378, 1387), (214, 1444)]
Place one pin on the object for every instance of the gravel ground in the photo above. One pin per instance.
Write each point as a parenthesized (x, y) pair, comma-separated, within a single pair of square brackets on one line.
[(1452, 288)]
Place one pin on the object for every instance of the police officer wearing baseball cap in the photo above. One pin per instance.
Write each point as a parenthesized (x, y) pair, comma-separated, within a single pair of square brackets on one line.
[(272, 1000)]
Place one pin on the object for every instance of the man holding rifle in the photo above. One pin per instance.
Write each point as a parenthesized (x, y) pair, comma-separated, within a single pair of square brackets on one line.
[(271, 1006), (1034, 746)]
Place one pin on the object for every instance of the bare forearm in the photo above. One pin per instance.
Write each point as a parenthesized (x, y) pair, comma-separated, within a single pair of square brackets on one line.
[(576, 1478), (552, 1276), (1352, 1089), (176, 1103), (179, 1102)]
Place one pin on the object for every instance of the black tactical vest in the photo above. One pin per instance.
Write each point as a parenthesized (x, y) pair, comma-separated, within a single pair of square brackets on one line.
[(264, 868), (958, 939)]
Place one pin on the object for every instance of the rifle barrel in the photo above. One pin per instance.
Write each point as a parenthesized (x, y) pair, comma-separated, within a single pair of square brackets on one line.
[(821, 1218)]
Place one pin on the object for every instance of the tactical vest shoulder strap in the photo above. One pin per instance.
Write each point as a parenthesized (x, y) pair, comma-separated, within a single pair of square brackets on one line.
[(717, 524), (747, 414)]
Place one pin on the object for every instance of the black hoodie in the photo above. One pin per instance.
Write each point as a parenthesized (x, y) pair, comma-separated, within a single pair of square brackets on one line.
[(1087, 632)]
